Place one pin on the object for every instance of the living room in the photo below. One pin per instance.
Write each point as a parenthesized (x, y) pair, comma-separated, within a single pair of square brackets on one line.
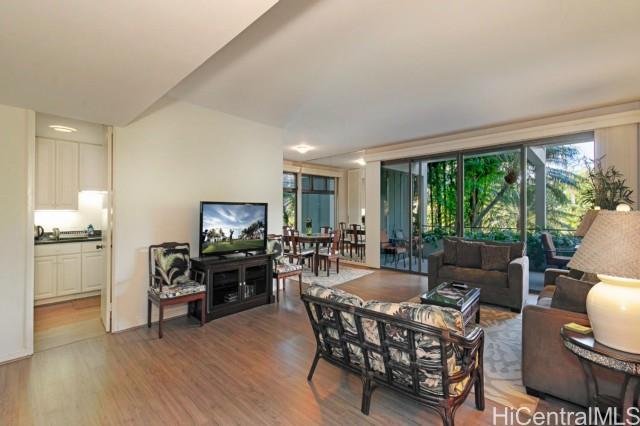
[(326, 212)]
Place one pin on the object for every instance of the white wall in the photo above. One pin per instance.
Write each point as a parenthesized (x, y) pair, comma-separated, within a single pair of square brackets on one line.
[(619, 146), (17, 132), (356, 195), (89, 212), (372, 198), (165, 163)]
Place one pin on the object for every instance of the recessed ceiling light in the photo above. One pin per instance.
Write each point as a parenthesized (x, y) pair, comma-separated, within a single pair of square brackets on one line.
[(360, 161), (64, 129), (303, 149)]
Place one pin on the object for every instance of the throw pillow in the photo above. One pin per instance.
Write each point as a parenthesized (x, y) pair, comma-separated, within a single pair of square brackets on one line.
[(495, 258), (450, 251), (571, 294), (517, 250), (468, 254)]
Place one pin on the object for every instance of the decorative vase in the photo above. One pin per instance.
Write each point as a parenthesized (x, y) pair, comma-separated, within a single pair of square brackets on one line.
[(613, 307)]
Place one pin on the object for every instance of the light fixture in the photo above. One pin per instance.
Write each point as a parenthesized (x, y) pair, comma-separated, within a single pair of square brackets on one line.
[(622, 207), (360, 161), (302, 148), (64, 129)]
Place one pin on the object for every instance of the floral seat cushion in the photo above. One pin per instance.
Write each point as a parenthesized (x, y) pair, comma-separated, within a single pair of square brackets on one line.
[(428, 350), (181, 289), (284, 268)]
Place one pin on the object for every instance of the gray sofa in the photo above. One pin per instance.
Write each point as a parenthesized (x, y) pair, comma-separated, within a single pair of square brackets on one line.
[(508, 286), (547, 366)]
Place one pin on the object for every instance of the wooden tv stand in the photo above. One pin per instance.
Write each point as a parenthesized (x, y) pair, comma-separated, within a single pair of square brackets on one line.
[(234, 283)]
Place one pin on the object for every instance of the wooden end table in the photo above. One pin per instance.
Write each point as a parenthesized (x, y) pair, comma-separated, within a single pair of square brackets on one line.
[(455, 295), (590, 352)]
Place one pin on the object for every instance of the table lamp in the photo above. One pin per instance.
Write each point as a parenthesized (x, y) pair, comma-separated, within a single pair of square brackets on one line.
[(586, 222), (611, 249)]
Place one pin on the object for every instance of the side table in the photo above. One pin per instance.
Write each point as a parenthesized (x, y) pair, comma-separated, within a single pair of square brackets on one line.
[(590, 352)]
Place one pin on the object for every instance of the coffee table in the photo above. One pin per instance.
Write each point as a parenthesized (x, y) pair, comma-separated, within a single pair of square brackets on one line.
[(456, 295)]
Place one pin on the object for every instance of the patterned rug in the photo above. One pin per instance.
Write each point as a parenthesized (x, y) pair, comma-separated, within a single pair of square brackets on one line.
[(346, 274), (502, 357)]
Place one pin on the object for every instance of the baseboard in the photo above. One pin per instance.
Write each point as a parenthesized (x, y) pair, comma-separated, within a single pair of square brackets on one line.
[(61, 299)]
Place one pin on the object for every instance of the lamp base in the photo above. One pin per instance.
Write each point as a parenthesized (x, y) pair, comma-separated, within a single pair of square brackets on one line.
[(613, 306)]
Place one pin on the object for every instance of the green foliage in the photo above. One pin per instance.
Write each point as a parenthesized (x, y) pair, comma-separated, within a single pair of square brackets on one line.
[(608, 187)]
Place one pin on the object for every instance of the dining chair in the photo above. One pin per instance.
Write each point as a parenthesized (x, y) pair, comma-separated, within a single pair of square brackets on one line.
[(298, 252), (331, 253)]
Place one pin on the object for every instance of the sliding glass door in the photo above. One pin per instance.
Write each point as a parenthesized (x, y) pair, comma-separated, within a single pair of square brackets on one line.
[(318, 202), (419, 208), (395, 215), (492, 187)]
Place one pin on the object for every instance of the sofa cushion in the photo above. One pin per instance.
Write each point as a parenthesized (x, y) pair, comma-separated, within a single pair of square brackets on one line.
[(495, 258), (496, 279), (428, 350), (450, 250), (468, 254), (571, 295)]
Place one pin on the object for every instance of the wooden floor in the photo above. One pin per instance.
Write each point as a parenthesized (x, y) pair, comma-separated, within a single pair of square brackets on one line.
[(245, 369), (67, 322)]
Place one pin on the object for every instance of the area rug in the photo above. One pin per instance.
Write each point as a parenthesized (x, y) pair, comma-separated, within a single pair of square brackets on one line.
[(502, 357), (346, 274)]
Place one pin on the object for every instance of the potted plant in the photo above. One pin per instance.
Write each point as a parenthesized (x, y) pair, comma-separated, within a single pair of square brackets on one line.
[(607, 187), (308, 225)]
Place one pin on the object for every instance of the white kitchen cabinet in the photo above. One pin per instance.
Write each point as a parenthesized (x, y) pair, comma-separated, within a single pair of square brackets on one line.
[(68, 270), (45, 277), (93, 167), (69, 274), (57, 175), (92, 271), (45, 174), (67, 175)]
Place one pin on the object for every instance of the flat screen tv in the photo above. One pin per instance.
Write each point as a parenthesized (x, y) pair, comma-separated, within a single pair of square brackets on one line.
[(232, 227)]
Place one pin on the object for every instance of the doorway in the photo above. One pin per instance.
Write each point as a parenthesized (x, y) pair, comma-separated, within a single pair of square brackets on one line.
[(72, 231)]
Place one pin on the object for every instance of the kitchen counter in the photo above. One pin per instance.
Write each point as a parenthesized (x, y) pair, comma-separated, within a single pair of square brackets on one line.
[(47, 240)]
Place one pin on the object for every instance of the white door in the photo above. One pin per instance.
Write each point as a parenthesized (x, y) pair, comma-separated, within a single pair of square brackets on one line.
[(69, 274), (45, 198), (92, 271), (67, 175), (106, 296), (45, 277)]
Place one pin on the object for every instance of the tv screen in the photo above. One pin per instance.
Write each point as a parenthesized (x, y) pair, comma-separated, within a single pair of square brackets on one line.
[(232, 227)]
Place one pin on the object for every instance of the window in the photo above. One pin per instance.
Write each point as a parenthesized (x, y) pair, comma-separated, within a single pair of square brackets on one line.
[(289, 199), (318, 202)]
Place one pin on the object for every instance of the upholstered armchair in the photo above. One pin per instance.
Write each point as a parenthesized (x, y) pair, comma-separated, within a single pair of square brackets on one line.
[(172, 281)]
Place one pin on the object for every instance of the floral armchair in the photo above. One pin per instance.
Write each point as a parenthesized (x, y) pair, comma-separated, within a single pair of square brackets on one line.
[(172, 281)]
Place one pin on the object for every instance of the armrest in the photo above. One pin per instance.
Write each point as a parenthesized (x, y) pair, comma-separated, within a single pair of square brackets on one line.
[(551, 274), (546, 364), (518, 277)]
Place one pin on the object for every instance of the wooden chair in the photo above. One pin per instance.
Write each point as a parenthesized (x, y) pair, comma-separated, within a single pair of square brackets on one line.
[(357, 241), (299, 253), (326, 229), (286, 239), (551, 252), (392, 248), (343, 231), (281, 269), (172, 281), (331, 253)]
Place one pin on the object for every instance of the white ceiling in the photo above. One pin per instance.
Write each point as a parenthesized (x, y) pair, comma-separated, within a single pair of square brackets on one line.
[(107, 61), (346, 75)]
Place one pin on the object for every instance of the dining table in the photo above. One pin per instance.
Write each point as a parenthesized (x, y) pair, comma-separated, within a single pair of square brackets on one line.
[(315, 240)]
